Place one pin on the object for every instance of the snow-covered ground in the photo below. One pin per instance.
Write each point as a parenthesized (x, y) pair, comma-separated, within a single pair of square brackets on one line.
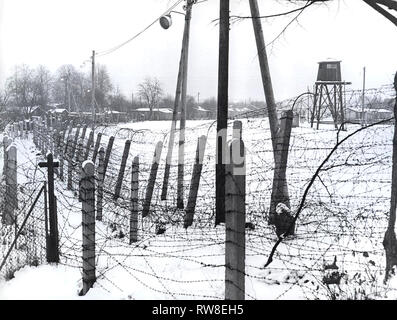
[(345, 217)]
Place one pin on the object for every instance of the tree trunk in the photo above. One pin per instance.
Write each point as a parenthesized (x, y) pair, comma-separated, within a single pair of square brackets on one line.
[(390, 241)]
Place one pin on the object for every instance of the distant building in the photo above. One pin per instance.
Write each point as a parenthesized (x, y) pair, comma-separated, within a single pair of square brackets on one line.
[(355, 115), (200, 113), (143, 114)]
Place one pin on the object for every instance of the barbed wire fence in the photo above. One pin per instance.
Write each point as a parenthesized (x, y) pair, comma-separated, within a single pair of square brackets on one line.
[(336, 252)]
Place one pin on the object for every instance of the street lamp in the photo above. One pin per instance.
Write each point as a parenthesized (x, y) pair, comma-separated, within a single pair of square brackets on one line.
[(166, 20)]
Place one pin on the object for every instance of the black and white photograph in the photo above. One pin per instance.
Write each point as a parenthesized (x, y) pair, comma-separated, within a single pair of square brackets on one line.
[(217, 152)]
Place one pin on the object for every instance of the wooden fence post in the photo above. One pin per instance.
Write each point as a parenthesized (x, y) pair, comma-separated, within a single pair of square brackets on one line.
[(61, 156), (152, 179), (134, 201), (84, 132), (88, 225), (96, 148), (195, 182), (235, 222), (89, 144), (280, 187), (78, 165), (53, 239), (70, 163), (122, 170), (6, 144), (11, 203), (100, 181), (107, 155), (76, 138)]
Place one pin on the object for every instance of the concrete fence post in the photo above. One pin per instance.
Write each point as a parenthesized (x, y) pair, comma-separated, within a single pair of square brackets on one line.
[(235, 219), (134, 201), (152, 179), (96, 148), (122, 170), (88, 225), (11, 199), (195, 182), (100, 181)]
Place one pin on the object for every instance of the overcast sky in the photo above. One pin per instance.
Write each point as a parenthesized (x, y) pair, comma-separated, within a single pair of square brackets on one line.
[(56, 32)]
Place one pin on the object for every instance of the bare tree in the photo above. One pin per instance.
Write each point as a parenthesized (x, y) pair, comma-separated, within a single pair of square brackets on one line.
[(104, 86), (150, 91)]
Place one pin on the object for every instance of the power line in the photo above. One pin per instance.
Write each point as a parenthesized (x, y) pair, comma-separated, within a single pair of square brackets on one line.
[(111, 50)]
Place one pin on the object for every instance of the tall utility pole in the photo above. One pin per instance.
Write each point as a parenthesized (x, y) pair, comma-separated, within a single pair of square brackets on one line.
[(93, 91), (280, 187), (181, 152), (222, 111), (363, 101), (182, 74)]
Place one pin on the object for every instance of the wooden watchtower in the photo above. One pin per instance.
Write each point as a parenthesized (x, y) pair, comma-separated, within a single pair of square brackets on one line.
[(329, 93)]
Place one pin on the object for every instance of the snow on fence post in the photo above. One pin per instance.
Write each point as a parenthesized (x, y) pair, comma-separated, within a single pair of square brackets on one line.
[(134, 209), (122, 170), (11, 197), (88, 225), (96, 148), (89, 144), (70, 162), (235, 218), (195, 182), (101, 178), (152, 179)]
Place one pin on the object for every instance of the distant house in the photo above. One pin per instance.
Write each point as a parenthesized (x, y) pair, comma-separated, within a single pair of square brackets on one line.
[(355, 115), (143, 114), (202, 113), (115, 116)]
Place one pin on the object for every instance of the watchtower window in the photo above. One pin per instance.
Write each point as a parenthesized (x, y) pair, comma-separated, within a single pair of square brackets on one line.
[(331, 66)]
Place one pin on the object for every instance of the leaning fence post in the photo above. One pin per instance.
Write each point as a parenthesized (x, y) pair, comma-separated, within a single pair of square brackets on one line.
[(235, 220), (70, 163), (134, 201), (195, 182), (101, 178), (96, 148), (280, 187), (88, 225), (60, 150), (122, 170), (11, 203), (107, 155), (78, 164), (89, 144), (152, 179), (6, 144)]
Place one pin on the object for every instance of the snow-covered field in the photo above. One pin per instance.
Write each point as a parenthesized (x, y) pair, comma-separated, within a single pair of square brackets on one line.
[(345, 217)]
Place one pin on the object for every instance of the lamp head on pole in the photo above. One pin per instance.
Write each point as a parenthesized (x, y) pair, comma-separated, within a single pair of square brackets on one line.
[(166, 21)]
